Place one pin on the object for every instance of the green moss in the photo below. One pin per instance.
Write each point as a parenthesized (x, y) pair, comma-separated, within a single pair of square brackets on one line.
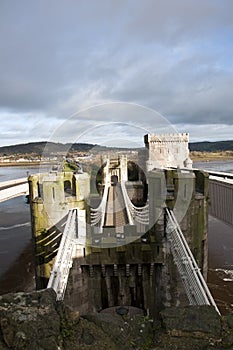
[(66, 329), (69, 167)]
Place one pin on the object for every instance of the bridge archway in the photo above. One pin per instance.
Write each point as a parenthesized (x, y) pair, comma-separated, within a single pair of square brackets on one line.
[(114, 180), (67, 187)]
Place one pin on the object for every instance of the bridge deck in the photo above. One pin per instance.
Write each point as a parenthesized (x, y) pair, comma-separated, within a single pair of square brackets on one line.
[(13, 188), (116, 214)]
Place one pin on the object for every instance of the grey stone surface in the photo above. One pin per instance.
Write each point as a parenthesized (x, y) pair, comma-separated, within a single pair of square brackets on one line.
[(35, 321)]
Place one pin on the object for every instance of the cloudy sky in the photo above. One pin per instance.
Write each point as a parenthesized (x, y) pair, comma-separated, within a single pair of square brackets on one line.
[(60, 57)]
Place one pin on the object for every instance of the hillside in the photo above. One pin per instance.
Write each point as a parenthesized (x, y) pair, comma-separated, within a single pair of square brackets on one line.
[(51, 147), (38, 147), (207, 146)]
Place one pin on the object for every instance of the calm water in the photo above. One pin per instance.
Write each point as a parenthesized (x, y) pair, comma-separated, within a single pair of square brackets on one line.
[(16, 267), (16, 256), (219, 165), (220, 239)]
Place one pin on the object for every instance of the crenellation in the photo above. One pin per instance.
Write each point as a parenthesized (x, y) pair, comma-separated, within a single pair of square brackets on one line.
[(168, 150)]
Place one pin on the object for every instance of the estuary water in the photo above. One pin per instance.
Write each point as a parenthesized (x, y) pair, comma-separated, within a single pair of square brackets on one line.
[(16, 254), (220, 241)]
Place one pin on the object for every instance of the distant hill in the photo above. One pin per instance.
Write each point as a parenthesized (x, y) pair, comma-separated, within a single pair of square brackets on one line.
[(38, 148), (211, 146), (52, 147)]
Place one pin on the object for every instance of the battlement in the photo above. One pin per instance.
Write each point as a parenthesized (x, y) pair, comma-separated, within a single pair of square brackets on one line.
[(167, 150), (178, 137)]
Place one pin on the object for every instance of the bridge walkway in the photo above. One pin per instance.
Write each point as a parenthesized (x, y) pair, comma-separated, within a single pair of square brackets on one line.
[(116, 215), (13, 188), (195, 286), (64, 259)]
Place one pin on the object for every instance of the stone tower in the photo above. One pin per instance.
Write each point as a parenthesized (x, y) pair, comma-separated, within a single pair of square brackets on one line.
[(168, 150)]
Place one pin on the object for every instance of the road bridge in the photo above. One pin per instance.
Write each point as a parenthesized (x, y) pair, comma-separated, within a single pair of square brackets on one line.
[(13, 188), (221, 196)]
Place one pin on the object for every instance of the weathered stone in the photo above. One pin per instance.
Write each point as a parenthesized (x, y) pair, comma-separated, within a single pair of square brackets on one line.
[(229, 320), (200, 321), (7, 331), (72, 315), (29, 320), (36, 321), (86, 335), (127, 332)]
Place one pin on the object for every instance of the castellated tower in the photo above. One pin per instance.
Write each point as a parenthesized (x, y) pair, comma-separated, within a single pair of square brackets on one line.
[(168, 150)]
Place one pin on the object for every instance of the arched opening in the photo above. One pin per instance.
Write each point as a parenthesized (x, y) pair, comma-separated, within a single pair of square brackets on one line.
[(67, 188), (99, 179), (133, 171), (137, 185), (122, 292), (114, 180)]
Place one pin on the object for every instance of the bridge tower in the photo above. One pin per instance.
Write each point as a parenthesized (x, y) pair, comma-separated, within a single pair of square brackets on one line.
[(52, 195), (168, 150)]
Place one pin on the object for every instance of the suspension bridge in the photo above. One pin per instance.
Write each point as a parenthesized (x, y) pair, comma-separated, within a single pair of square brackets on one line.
[(119, 219), (117, 210)]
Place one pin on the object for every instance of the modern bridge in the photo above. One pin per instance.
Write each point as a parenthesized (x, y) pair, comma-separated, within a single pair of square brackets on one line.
[(13, 188)]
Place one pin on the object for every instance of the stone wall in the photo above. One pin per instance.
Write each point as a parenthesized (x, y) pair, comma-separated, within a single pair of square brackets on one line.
[(51, 197)]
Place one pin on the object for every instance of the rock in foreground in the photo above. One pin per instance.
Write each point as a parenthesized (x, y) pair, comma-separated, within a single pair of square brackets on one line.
[(36, 321)]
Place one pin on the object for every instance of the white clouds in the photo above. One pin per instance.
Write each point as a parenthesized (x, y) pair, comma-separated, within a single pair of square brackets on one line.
[(208, 132), (173, 56)]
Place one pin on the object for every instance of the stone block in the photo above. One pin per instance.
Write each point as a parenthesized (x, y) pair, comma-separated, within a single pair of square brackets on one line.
[(200, 321)]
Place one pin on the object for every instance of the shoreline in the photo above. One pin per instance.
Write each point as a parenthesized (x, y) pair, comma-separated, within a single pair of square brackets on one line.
[(211, 156), (195, 156), (23, 164)]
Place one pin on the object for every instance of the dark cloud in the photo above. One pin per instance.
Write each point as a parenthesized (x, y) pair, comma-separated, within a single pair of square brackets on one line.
[(59, 57)]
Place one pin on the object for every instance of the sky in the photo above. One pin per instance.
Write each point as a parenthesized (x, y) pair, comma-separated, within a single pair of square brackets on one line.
[(60, 58)]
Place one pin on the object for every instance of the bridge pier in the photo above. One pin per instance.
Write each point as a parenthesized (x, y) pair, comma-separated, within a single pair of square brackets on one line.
[(50, 204)]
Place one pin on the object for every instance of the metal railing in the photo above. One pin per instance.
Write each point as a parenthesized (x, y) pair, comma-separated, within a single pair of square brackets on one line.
[(98, 214), (64, 259), (195, 286), (139, 214)]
